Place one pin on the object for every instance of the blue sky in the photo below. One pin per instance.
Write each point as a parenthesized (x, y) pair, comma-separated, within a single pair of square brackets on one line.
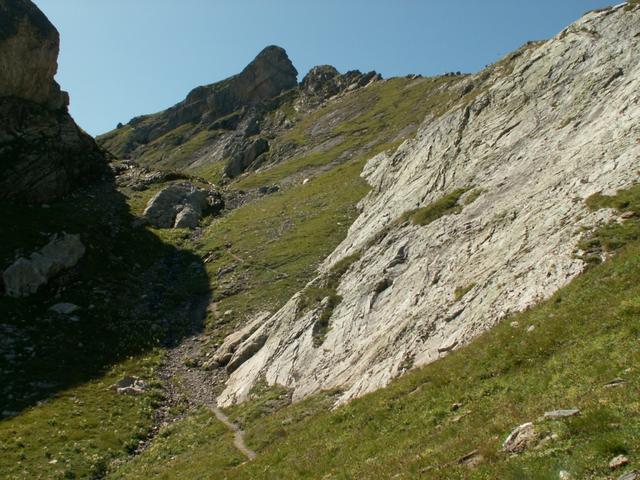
[(122, 58)]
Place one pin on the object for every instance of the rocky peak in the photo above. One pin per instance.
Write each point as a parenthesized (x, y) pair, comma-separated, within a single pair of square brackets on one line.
[(269, 74), (29, 46)]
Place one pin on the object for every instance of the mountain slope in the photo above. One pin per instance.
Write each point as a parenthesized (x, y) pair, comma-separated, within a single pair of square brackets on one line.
[(555, 125)]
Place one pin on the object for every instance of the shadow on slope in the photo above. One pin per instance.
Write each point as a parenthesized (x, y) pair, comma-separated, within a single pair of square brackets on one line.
[(134, 292)]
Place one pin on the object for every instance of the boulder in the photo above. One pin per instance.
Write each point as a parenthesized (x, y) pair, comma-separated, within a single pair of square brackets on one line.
[(617, 462), (571, 412), (129, 386), (180, 206), (635, 475), (25, 276)]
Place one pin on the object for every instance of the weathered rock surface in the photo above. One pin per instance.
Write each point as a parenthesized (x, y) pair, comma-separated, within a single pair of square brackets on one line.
[(43, 153), (556, 123), (245, 155), (26, 275), (180, 206)]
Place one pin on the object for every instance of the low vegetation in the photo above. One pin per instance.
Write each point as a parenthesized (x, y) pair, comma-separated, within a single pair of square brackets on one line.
[(446, 205)]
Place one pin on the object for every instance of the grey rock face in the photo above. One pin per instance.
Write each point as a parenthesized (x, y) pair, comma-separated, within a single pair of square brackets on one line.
[(25, 276), (43, 154), (180, 206), (245, 155), (555, 125)]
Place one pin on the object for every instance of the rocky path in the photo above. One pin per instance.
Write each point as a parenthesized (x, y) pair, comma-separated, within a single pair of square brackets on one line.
[(184, 382)]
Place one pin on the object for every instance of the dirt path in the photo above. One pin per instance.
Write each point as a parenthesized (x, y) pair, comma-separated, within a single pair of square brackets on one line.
[(184, 382), (238, 434)]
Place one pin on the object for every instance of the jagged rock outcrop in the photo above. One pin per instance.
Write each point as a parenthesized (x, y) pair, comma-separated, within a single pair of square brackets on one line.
[(529, 140), (324, 81), (26, 275), (180, 206), (43, 153)]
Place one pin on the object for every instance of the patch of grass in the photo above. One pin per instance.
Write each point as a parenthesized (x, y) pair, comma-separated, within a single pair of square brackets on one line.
[(263, 401), (79, 431), (462, 291), (181, 449), (176, 148), (326, 291), (277, 243), (447, 205), (614, 235)]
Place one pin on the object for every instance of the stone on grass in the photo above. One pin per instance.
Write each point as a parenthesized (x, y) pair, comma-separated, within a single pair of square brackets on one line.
[(520, 438), (570, 412), (617, 462)]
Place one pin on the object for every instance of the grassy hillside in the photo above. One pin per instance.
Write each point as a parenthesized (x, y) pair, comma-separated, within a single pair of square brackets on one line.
[(449, 419)]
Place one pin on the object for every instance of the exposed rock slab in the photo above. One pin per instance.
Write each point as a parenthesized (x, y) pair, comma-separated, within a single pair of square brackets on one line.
[(538, 134)]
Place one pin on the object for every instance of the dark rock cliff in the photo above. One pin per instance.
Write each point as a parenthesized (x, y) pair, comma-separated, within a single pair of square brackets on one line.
[(43, 153)]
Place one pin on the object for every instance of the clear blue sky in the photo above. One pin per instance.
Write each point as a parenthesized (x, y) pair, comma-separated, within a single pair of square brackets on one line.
[(122, 58)]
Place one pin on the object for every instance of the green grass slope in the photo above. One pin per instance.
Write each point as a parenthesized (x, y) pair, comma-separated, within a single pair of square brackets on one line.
[(450, 418)]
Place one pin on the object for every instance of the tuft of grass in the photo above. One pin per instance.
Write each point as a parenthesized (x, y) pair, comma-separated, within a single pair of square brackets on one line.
[(447, 205), (462, 291), (472, 196), (615, 235)]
